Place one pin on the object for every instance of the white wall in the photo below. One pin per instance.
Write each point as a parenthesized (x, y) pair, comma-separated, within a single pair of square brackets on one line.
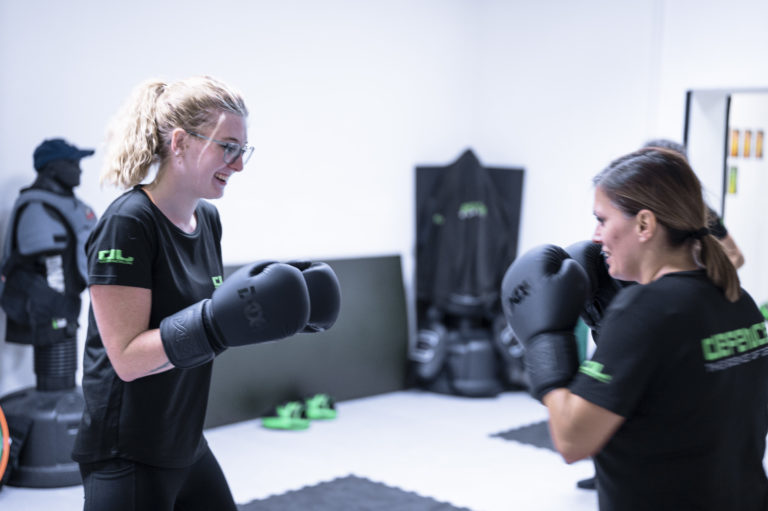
[(566, 87), (709, 45), (347, 97)]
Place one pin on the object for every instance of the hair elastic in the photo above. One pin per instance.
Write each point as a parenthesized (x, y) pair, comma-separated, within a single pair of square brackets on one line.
[(698, 234)]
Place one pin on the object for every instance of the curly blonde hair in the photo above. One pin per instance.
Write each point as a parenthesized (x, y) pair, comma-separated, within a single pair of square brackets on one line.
[(139, 134)]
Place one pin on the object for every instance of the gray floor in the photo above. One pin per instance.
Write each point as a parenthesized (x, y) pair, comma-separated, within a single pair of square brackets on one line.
[(436, 446)]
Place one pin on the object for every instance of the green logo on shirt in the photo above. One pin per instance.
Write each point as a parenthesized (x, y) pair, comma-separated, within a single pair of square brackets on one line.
[(595, 370), (217, 280), (114, 255), (734, 342)]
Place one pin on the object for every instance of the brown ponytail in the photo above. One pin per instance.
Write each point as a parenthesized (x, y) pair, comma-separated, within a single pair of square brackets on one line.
[(719, 267)]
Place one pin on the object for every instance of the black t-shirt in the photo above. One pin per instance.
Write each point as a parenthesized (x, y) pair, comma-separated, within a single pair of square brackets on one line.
[(157, 419), (689, 372)]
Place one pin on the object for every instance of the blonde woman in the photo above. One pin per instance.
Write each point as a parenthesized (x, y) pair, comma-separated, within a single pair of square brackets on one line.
[(160, 309)]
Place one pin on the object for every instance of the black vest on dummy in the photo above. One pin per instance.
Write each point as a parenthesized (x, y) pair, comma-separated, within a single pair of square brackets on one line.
[(468, 240), (467, 224), (60, 225)]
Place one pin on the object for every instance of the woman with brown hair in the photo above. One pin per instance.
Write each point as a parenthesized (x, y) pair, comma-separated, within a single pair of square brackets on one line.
[(672, 404)]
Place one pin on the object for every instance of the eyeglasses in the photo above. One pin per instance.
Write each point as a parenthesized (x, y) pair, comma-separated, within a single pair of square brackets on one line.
[(232, 150)]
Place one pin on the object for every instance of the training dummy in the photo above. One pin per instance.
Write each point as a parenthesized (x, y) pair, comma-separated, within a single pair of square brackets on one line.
[(43, 260)]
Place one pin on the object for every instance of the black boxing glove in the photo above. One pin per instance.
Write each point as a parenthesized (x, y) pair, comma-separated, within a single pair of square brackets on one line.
[(542, 294), (602, 287), (260, 302), (324, 294)]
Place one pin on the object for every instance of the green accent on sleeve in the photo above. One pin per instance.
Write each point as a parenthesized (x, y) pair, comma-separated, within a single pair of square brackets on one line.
[(595, 370), (114, 255)]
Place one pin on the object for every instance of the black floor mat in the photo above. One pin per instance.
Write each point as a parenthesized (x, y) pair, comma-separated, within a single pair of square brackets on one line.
[(350, 493), (536, 434)]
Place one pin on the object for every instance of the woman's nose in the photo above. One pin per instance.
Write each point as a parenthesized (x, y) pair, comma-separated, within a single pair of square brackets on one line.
[(597, 236)]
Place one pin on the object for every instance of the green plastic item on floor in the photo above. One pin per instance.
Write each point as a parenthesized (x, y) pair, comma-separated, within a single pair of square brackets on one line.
[(291, 416), (320, 407)]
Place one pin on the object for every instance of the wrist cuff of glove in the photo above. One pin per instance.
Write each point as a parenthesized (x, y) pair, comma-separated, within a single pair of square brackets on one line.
[(186, 339), (551, 360)]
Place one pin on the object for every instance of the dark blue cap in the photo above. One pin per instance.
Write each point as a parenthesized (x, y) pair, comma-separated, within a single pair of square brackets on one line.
[(58, 149)]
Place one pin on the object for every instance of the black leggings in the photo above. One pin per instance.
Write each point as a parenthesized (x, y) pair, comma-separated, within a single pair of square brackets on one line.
[(121, 485)]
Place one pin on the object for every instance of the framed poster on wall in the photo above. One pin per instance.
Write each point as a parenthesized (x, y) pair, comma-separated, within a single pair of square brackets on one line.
[(724, 132)]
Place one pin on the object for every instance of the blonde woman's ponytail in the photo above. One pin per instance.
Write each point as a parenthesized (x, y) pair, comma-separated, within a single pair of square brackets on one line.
[(132, 138)]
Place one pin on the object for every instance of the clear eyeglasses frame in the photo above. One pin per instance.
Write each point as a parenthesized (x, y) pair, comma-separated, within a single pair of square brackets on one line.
[(232, 150)]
